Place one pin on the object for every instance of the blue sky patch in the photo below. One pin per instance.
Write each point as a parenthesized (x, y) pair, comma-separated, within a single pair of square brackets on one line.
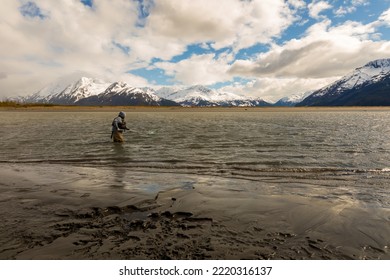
[(31, 10), (155, 76), (143, 12), (249, 53), (123, 48), (195, 49), (235, 80), (88, 3)]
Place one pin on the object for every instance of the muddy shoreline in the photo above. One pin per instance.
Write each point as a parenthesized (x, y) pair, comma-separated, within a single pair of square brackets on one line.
[(65, 212), (70, 108)]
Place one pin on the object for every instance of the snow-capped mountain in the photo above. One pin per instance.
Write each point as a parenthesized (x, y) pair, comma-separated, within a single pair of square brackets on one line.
[(166, 91), (202, 96), (120, 93), (67, 94), (368, 85), (87, 91), (365, 86), (292, 100)]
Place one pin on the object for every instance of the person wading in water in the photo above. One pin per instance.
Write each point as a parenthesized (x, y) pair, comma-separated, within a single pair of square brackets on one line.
[(118, 127)]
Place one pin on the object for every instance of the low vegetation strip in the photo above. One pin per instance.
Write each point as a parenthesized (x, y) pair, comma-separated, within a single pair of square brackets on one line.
[(18, 104)]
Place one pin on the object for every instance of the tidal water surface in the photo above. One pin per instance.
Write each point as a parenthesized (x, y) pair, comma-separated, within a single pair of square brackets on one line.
[(339, 149)]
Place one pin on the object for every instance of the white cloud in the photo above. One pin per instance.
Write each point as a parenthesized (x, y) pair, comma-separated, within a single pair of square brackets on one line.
[(198, 69), (385, 18), (70, 38), (342, 11), (297, 4), (360, 2), (324, 51), (273, 89), (350, 7), (110, 39), (317, 7), (234, 23)]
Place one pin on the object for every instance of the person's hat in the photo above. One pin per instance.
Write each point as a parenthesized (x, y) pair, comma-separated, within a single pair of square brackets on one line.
[(122, 115)]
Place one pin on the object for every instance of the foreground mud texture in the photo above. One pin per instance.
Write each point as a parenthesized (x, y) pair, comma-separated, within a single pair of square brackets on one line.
[(44, 217)]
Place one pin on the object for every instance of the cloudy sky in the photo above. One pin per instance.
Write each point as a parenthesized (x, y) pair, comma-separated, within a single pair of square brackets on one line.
[(266, 48)]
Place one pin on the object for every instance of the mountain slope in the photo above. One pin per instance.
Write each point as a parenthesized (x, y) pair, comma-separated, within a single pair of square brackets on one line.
[(86, 91), (365, 86), (290, 101), (205, 97), (68, 94), (120, 93), (369, 94)]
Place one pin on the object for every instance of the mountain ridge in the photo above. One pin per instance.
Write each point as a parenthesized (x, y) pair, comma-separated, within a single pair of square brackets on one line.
[(120, 93), (368, 85), (94, 92), (365, 86), (199, 95)]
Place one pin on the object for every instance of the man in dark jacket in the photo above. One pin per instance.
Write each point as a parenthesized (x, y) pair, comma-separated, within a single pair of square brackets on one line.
[(118, 127)]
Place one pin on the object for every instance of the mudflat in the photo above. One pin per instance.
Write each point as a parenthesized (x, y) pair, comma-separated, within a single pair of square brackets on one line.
[(66, 212), (70, 108)]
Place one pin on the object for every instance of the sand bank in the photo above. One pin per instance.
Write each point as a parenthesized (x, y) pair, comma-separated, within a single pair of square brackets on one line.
[(64, 212), (71, 108)]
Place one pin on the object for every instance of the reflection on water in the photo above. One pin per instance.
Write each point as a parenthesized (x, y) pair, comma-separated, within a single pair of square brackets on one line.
[(120, 155)]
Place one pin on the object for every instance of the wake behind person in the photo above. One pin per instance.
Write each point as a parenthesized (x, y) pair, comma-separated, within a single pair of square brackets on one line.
[(118, 127)]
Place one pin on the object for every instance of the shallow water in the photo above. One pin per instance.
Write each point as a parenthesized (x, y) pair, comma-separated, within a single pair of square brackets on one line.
[(266, 141), (347, 150)]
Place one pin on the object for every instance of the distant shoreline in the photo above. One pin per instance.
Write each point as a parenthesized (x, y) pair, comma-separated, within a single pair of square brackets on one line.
[(74, 108)]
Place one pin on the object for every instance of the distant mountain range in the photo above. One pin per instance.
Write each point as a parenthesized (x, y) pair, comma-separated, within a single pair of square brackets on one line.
[(291, 101), (365, 86), (202, 96), (120, 93), (65, 93), (92, 92)]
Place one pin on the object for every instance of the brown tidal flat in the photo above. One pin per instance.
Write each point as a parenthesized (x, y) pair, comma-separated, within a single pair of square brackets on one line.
[(71, 108), (63, 212)]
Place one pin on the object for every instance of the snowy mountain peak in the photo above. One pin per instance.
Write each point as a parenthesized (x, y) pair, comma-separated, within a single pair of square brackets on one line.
[(84, 87), (366, 85), (122, 88), (379, 63), (68, 92), (117, 87), (200, 95), (293, 99), (371, 72), (120, 93), (199, 88)]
